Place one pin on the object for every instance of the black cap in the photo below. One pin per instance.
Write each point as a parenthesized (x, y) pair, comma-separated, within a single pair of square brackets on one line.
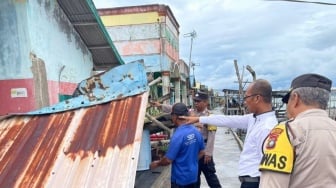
[(201, 96), (180, 109), (308, 80)]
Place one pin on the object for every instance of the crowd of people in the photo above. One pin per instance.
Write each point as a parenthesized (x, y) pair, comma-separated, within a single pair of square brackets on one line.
[(299, 152)]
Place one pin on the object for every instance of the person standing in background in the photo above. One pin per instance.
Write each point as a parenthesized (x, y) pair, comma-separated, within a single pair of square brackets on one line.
[(301, 152), (206, 163)]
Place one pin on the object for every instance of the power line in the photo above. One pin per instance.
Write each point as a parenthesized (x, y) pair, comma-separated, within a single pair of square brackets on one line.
[(301, 1)]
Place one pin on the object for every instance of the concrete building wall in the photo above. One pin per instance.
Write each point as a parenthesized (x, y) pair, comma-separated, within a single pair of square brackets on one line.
[(148, 32), (143, 33), (40, 55)]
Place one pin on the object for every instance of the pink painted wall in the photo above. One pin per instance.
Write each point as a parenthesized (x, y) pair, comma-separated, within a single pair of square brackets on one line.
[(65, 88), (171, 52), (145, 47)]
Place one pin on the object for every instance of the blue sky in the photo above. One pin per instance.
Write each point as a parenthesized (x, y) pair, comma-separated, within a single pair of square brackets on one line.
[(279, 40)]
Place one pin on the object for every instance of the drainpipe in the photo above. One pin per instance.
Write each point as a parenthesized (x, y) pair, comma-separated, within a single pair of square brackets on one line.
[(59, 79)]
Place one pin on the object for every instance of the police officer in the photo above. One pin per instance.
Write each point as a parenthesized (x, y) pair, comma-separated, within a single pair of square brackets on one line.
[(301, 152), (206, 163)]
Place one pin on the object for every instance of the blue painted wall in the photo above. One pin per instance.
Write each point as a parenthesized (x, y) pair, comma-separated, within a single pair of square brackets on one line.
[(152, 62), (40, 27), (10, 56)]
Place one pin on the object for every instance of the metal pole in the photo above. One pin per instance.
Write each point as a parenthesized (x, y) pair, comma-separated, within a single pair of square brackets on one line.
[(192, 35), (191, 43)]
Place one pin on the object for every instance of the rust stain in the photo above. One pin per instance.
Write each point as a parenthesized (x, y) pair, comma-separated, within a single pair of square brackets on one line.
[(120, 96), (49, 146), (30, 145), (90, 84), (32, 154), (130, 76), (108, 125)]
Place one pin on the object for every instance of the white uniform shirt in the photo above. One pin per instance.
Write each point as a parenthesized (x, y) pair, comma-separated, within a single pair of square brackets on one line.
[(257, 130)]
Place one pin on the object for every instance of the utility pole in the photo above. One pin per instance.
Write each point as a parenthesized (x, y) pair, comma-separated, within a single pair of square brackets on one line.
[(192, 35), (239, 79), (240, 92), (193, 66)]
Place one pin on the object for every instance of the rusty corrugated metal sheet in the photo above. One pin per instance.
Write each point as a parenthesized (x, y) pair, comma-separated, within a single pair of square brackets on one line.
[(92, 146)]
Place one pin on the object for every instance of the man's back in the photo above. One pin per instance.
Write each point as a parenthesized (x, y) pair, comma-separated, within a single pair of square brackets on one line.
[(185, 145)]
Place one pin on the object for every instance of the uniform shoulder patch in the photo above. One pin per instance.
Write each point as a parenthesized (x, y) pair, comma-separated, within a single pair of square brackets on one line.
[(278, 151), (212, 128)]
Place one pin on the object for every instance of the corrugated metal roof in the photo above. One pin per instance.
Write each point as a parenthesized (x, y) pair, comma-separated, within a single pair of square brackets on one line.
[(85, 19), (94, 145)]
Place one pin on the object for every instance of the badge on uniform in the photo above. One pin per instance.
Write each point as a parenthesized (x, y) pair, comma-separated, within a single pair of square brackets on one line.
[(273, 137)]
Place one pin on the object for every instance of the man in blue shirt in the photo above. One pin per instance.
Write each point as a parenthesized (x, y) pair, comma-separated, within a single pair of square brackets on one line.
[(185, 148)]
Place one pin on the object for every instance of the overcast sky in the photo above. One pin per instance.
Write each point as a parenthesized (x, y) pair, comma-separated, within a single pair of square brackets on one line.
[(279, 40)]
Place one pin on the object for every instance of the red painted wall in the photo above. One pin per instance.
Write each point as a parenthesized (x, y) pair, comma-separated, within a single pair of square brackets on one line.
[(10, 104)]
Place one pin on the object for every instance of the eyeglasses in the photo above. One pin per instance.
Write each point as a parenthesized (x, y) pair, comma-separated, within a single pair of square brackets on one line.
[(250, 96)]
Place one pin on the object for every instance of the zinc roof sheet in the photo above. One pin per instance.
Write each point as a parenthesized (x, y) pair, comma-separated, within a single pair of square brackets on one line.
[(97, 146), (92, 140)]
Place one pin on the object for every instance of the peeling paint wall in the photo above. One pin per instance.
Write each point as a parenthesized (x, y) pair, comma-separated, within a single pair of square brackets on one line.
[(144, 31), (40, 82), (54, 40), (9, 41), (38, 27)]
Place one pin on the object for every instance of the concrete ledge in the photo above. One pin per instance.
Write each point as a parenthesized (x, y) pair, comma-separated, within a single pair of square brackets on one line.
[(240, 143)]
